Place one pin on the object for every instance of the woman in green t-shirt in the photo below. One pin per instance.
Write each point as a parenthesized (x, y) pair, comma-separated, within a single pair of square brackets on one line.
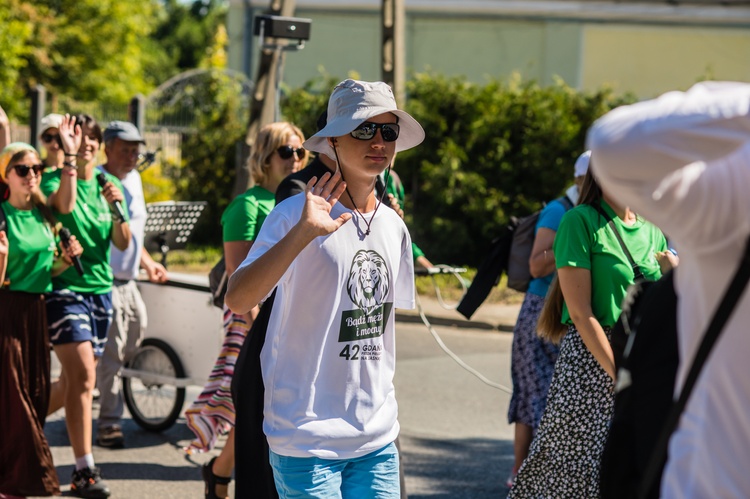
[(29, 257), (584, 302), (277, 153), (79, 308)]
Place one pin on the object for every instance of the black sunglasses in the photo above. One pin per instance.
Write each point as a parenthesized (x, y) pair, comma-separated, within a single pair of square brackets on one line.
[(23, 170), (367, 131), (286, 152), (49, 137)]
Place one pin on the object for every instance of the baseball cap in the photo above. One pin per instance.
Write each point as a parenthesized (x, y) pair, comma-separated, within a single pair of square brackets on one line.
[(122, 130), (582, 164), (53, 120), (353, 102)]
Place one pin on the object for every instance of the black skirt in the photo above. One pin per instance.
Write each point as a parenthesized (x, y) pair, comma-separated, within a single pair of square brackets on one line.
[(26, 467)]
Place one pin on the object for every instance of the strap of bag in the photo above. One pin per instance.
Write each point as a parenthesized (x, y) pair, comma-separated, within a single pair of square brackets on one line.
[(719, 320), (638, 275)]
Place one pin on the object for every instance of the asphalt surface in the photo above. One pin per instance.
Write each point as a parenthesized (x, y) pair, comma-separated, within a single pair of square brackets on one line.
[(455, 441)]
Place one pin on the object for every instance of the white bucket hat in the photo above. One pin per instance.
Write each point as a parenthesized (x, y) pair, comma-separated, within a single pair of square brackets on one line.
[(352, 103)]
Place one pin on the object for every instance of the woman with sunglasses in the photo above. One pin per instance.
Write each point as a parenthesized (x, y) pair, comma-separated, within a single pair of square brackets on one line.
[(52, 142), (277, 153), (29, 256), (339, 269), (80, 306)]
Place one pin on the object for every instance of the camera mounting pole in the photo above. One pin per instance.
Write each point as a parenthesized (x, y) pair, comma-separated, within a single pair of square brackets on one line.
[(282, 30)]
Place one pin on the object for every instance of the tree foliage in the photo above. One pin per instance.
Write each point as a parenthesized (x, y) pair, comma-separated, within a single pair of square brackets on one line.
[(210, 155), (99, 50)]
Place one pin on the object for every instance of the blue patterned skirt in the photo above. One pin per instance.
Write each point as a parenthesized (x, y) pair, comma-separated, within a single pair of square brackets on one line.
[(532, 363)]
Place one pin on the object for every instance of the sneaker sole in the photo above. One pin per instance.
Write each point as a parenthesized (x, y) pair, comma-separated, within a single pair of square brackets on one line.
[(111, 445), (96, 495)]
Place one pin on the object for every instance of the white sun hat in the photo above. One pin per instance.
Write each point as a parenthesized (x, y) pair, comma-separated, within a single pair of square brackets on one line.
[(582, 164), (352, 103), (52, 120)]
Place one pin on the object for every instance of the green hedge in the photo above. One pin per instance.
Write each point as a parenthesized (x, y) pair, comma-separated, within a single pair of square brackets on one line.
[(491, 151)]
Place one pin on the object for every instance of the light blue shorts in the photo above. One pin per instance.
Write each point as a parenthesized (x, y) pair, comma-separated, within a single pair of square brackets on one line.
[(373, 476)]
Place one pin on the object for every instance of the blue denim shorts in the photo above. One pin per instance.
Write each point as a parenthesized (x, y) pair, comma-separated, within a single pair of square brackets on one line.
[(373, 476), (76, 317)]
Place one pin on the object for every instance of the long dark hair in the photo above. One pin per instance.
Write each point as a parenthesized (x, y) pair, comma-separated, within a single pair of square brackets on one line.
[(550, 326)]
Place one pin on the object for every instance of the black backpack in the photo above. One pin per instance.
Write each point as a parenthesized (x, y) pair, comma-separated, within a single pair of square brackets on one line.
[(649, 370), (218, 281), (644, 342), (509, 252), (517, 266)]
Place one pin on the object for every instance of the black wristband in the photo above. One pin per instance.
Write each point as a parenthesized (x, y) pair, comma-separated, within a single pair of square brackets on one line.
[(71, 165), (70, 155)]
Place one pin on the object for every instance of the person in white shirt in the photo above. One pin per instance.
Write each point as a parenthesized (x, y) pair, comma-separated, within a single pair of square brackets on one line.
[(340, 265), (683, 161), (122, 141)]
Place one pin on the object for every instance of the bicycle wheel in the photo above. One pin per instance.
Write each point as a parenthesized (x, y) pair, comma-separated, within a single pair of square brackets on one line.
[(154, 405)]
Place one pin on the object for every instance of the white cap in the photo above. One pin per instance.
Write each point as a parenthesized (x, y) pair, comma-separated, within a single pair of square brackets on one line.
[(582, 164), (51, 121)]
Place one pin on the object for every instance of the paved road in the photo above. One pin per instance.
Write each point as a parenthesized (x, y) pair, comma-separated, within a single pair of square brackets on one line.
[(455, 442)]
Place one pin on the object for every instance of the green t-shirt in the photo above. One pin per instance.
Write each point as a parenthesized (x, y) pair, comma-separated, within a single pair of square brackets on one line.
[(585, 240), (31, 250), (396, 188), (91, 222), (242, 219)]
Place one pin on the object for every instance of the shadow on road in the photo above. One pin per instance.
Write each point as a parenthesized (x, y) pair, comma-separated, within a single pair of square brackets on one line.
[(136, 437), (470, 469)]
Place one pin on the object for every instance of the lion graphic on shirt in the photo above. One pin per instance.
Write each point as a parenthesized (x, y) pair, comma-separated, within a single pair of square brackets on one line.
[(369, 280)]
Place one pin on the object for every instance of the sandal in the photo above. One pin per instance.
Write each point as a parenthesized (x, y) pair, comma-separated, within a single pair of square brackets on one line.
[(211, 480)]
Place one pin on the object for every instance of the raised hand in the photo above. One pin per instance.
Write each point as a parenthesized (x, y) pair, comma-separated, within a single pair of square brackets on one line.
[(322, 195), (70, 135), (4, 129)]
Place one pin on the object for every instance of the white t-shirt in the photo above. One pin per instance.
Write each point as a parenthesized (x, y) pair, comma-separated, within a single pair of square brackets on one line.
[(683, 161), (330, 351), (125, 264)]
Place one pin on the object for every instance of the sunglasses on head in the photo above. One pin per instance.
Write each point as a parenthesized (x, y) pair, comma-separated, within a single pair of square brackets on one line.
[(23, 170), (286, 152), (367, 131)]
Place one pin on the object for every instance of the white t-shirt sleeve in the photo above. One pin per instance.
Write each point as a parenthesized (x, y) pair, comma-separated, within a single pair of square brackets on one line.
[(681, 159), (277, 224), (405, 277)]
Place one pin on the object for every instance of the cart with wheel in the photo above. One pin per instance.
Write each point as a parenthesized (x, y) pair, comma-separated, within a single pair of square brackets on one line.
[(183, 337), (184, 331)]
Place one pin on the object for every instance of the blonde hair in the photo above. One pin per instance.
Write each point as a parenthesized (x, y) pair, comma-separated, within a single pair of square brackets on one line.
[(550, 326), (270, 138)]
